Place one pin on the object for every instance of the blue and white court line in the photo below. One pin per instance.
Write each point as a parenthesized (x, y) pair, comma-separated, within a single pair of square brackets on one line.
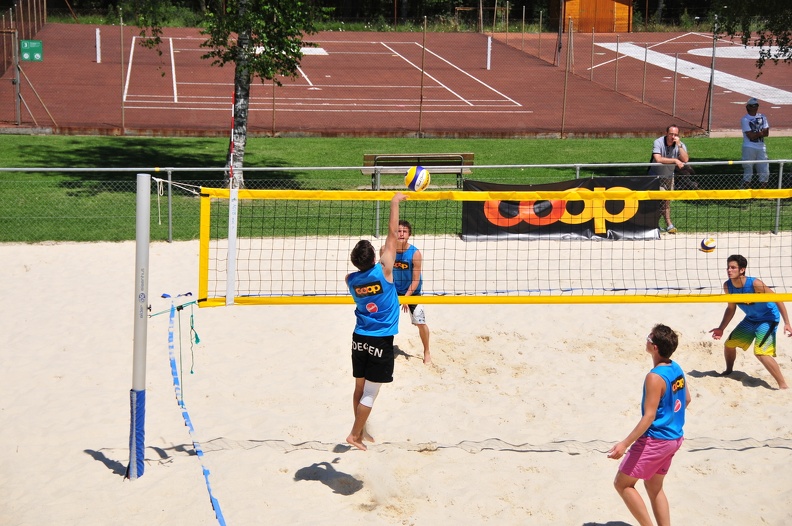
[(749, 88), (186, 416)]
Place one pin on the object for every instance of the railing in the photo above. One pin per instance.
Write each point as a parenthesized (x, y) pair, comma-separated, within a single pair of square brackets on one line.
[(97, 204)]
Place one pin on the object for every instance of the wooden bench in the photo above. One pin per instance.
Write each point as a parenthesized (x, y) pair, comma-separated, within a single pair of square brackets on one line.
[(376, 164)]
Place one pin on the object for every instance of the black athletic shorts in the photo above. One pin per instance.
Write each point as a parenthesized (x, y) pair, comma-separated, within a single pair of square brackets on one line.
[(372, 357)]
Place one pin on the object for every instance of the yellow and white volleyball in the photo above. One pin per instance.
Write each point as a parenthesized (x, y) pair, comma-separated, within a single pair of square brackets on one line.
[(707, 244), (417, 178)]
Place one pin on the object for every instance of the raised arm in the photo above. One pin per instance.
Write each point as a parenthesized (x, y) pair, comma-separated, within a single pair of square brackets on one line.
[(388, 253)]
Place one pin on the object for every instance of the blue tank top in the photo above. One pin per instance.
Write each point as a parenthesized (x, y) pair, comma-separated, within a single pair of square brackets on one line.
[(762, 311), (403, 271), (670, 415), (376, 302)]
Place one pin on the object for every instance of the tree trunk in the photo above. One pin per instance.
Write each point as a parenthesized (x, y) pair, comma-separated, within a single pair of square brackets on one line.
[(658, 17), (236, 147)]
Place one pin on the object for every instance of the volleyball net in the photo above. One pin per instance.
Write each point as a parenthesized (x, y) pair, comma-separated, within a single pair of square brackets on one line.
[(585, 241)]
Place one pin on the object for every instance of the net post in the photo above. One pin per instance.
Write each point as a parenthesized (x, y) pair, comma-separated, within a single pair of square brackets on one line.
[(233, 217), (137, 396)]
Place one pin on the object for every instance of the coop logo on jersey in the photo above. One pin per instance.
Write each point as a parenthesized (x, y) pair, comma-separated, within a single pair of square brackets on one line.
[(401, 265), (370, 289), (678, 384)]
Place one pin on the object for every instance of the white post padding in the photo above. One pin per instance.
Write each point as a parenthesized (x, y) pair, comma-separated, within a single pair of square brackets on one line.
[(233, 216), (489, 52), (98, 46), (138, 393), (141, 280)]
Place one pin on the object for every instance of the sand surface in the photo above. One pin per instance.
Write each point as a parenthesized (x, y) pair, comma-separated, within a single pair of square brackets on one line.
[(509, 426)]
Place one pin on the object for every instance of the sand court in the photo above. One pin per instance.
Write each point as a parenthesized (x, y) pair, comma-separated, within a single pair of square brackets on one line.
[(509, 426)]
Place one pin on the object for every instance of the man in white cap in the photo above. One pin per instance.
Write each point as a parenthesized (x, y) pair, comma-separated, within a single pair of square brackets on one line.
[(755, 128)]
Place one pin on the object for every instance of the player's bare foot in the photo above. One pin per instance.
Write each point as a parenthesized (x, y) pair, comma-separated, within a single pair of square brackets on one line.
[(727, 372), (427, 359), (357, 442)]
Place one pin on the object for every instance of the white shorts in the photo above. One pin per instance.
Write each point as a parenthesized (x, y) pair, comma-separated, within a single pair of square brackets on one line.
[(417, 315)]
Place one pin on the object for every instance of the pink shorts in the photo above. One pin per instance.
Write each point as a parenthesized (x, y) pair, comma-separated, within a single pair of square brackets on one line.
[(648, 457)]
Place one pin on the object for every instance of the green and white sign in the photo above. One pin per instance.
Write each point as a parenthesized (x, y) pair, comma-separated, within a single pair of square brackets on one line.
[(31, 50)]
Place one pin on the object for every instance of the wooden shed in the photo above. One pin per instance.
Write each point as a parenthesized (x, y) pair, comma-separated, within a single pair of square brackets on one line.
[(603, 16)]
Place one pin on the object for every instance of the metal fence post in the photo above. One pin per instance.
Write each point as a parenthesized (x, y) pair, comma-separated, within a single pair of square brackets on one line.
[(643, 87), (778, 201), (376, 185), (170, 206), (616, 68), (673, 98)]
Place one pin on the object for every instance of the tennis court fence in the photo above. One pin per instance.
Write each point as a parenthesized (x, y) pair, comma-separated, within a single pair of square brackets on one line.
[(22, 21)]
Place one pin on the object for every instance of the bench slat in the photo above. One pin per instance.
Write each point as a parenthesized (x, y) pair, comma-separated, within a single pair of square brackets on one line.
[(448, 163)]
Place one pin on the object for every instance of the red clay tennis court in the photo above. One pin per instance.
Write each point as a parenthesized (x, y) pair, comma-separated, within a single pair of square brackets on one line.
[(354, 84)]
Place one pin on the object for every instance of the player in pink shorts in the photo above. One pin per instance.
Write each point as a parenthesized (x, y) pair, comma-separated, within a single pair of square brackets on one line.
[(658, 435)]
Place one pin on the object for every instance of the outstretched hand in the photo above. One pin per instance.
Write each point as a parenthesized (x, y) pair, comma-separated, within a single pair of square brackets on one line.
[(617, 451), (716, 333)]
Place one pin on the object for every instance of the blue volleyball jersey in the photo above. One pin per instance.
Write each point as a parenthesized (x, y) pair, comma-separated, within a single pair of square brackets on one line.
[(762, 311), (376, 302), (670, 415), (403, 271)]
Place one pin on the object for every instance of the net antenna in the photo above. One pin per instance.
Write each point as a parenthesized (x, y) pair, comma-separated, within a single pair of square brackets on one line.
[(137, 395)]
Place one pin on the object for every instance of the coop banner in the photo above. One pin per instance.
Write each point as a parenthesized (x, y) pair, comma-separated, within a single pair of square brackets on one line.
[(560, 219)]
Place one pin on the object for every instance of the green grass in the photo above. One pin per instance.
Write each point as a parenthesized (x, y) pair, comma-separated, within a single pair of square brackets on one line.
[(108, 152), (99, 205)]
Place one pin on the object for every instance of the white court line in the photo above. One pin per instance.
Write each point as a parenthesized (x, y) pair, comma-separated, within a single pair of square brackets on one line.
[(653, 45), (173, 71), (726, 81), (304, 76), (129, 69), (189, 102), (427, 74), (345, 109), (474, 78)]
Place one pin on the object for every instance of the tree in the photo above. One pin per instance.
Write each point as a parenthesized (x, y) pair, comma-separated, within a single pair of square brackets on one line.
[(261, 38), (766, 25)]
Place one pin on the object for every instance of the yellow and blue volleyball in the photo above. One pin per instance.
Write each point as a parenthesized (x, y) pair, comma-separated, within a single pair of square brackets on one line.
[(417, 178), (707, 244)]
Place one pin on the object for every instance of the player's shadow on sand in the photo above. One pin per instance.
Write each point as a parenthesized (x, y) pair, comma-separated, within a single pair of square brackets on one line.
[(324, 472), (398, 352), (609, 523), (746, 379)]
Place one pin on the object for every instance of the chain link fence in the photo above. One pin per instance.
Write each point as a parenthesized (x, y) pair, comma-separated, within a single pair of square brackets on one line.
[(99, 204), (20, 22)]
